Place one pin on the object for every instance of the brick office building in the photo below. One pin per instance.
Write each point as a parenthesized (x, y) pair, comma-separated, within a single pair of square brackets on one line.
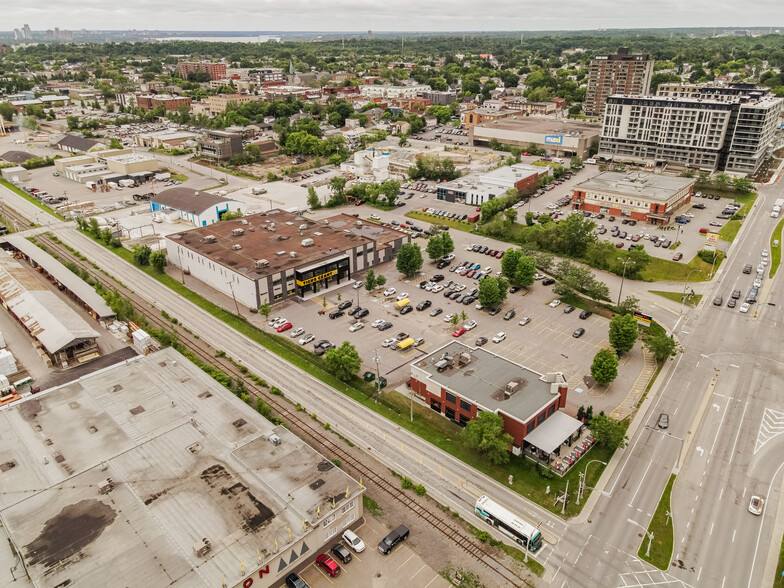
[(619, 73), (216, 71), (459, 381), (151, 101)]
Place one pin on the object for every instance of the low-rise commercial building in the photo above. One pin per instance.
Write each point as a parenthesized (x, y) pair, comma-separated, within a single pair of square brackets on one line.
[(102, 165), (276, 255), (199, 208), (170, 103), (218, 103), (477, 116), (398, 92), (650, 198), (476, 189), (557, 138), (459, 381), (150, 473), (220, 144)]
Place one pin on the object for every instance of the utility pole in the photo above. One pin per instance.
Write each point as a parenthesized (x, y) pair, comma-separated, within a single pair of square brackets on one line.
[(565, 496), (236, 305), (624, 263)]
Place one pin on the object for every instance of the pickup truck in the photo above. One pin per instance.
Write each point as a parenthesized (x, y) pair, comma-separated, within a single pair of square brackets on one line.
[(388, 543)]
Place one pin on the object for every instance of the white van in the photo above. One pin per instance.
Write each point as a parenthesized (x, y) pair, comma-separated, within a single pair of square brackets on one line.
[(591, 161), (557, 160)]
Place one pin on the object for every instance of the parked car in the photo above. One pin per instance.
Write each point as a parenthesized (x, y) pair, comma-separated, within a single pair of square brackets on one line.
[(329, 565), (340, 551), (436, 312), (585, 314), (294, 581), (459, 332), (389, 291), (307, 339), (735, 294), (555, 303), (296, 332), (677, 257), (345, 304), (718, 301), (284, 327), (480, 341), (388, 543), (568, 309), (356, 326), (470, 325), (499, 337), (362, 312), (423, 305), (353, 541), (524, 321), (578, 333), (406, 309), (336, 314)]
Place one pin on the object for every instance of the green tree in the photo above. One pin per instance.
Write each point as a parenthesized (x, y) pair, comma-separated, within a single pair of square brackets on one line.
[(381, 280), (623, 332), (576, 162), (525, 270), (435, 247), (338, 186), (529, 218), (370, 280), (662, 346), (409, 259), (448, 243), (492, 291), (630, 305), (640, 260), (115, 143), (576, 234), (604, 368), (141, 255), (343, 361), (509, 262), (158, 261), (486, 434), (313, 200), (511, 215), (609, 432), (265, 309)]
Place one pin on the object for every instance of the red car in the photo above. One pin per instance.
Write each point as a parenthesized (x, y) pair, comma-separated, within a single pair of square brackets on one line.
[(328, 564), (459, 332), (284, 327), (470, 274), (677, 257), (525, 153), (499, 254), (619, 245)]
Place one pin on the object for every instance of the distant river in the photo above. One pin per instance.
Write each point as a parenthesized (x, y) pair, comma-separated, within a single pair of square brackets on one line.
[(255, 39)]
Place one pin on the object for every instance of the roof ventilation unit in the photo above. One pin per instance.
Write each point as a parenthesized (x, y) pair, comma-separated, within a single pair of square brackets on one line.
[(307, 242), (238, 232), (261, 263), (210, 239), (236, 247)]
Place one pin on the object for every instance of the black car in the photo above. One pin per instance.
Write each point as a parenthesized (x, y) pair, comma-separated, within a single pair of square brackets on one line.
[(362, 312), (509, 314), (448, 293), (423, 305), (495, 311), (548, 282), (354, 310), (731, 303), (343, 554), (585, 314), (454, 295), (423, 283), (442, 264), (406, 309), (385, 326), (469, 299), (402, 336), (480, 341), (345, 304), (437, 278), (514, 289), (388, 543), (294, 581), (625, 221), (336, 314), (578, 333), (747, 269), (568, 309)]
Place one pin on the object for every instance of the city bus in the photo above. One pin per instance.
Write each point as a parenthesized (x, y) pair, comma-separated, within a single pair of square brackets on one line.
[(508, 523)]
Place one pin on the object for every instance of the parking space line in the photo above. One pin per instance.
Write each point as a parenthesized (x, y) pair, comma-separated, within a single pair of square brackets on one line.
[(405, 562), (318, 567), (436, 577), (419, 570)]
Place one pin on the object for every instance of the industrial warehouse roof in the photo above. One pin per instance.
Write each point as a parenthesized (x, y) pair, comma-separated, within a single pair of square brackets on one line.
[(187, 459), (16, 156), (484, 378), (541, 125), (50, 320), (652, 186), (276, 236), (188, 199), (76, 142), (62, 274)]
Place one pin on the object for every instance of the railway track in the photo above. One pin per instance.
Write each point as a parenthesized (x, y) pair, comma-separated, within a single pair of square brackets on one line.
[(300, 422)]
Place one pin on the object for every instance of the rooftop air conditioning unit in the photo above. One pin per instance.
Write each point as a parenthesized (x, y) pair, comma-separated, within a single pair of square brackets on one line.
[(106, 486), (261, 263), (273, 438), (307, 242), (511, 388), (238, 232), (202, 548), (293, 254), (210, 239), (303, 226), (236, 247)]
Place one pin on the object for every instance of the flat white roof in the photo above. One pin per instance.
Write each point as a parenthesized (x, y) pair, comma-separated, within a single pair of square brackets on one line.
[(551, 433), (187, 459)]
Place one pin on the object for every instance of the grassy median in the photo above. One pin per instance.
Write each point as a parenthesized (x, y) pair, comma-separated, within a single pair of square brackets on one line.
[(663, 534), (692, 301), (775, 252)]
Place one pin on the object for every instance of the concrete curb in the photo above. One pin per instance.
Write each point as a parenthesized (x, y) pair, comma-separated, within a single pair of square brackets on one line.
[(619, 455), (695, 423), (772, 560)]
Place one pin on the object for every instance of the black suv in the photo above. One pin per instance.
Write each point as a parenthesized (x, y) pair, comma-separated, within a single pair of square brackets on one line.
[(423, 305), (548, 282), (294, 581), (345, 304), (509, 314), (388, 543), (336, 314)]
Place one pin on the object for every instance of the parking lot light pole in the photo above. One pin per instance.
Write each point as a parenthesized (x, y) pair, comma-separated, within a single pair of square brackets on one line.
[(583, 478), (624, 263)]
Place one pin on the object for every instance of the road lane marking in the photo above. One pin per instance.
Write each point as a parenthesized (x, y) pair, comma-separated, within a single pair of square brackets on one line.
[(721, 493), (711, 529), (699, 574), (737, 435), (733, 535), (718, 429), (771, 426), (640, 484)]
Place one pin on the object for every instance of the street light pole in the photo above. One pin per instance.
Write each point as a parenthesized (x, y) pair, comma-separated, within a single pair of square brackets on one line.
[(583, 478), (624, 263), (686, 285)]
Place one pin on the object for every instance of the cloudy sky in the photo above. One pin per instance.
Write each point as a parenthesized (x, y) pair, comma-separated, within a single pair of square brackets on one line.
[(398, 15)]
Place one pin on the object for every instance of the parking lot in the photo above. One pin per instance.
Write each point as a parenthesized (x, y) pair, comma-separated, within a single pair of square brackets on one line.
[(402, 567), (545, 344)]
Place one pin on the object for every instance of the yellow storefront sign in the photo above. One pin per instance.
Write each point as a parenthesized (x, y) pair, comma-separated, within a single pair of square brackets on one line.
[(317, 278)]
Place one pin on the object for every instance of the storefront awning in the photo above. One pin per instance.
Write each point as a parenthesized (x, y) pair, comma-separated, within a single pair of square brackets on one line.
[(553, 432)]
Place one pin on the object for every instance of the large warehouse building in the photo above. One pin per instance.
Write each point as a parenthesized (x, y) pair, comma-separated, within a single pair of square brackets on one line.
[(275, 255), (460, 381), (477, 189), (557, 138), (650, 198), (150, 474)]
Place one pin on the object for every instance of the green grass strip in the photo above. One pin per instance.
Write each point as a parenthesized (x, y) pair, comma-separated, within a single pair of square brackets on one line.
[(676, 297), (775, 252), (663, 535), (30, 199)]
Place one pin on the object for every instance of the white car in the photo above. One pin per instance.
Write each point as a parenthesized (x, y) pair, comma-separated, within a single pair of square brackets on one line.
[(437, 288), (764, 261), (539, 276), (449, 317), (389, 291), (555, 303), (756, 505), (524, 321), (499, 337), (745, 307), (358, 285), (307, 339), (273, 320), (388, 342), (460, 288), (479, 306), (356, 326), (469, 325), (353, 541), (279, 321), (377, 323), (297, 332), (375, 217), (764, 253), (757, 283), (688, 214), (401, 296), (488, 269)]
